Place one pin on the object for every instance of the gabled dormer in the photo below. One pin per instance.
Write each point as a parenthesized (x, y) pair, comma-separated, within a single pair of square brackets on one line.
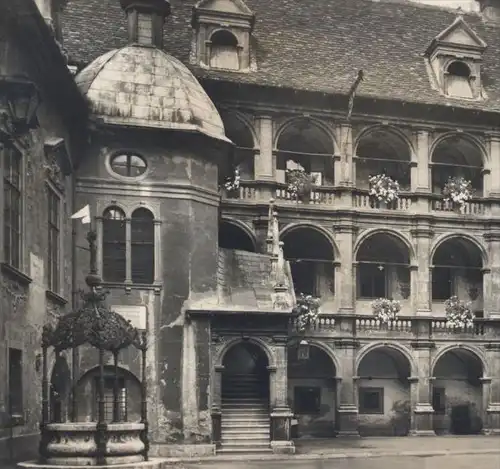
[(455, 57), (223, 31)]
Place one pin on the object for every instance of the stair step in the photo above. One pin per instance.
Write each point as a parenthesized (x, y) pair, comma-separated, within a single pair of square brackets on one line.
[(246, 444), (236, 431), (235, 450)]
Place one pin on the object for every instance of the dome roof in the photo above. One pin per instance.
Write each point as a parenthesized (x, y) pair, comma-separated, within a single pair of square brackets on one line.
[(145, 87)]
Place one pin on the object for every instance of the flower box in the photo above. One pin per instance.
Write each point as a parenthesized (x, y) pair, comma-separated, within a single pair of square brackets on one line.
[(383, 189), (386, 310)]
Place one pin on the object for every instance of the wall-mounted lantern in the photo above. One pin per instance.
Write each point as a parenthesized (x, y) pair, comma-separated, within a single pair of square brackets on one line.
[(19, 101), (303, 350)]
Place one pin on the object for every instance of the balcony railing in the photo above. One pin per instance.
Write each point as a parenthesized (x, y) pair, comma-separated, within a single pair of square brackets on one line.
[(328, 196), (363, 200), (367, 326)]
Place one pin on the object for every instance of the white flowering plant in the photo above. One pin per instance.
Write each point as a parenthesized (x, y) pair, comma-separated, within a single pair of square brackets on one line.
[(458, 191), (232, 183), (306, 311), (386, 310), (458, 313), (299, 182), (383, 188)]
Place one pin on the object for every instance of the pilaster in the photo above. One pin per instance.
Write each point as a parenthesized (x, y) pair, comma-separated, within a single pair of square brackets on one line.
[(491, 391), (422, 296), (347, 400), (421, 391), (264, 160), (491, 276), (492, 166), (345, 282)]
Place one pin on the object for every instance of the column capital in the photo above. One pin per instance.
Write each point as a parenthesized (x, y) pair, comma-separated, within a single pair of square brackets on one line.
[(422, 232), (492, 136)]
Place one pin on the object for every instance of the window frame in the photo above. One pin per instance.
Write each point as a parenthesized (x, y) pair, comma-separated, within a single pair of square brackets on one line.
[(129, 154), (362, 409), (315, 403), (108, 402), (114, 244), (7, 185), (375, 266), (135, 243), (15, 389), (439, 394), (58, 228)]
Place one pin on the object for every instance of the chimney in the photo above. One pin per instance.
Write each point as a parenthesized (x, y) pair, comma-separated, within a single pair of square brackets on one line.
[(146, 19)]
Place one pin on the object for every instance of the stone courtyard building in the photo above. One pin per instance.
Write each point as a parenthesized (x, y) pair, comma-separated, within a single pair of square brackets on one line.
[(178, 96)]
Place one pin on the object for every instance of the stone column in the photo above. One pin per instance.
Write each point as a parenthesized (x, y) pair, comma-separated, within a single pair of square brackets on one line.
[(422, 296), (128, 250), (344, 236), (491, 276), (281, 413), (421, 387), (344, 164), (491, 391), (422, 173), (216, 407), (264, 161), (347, 396)]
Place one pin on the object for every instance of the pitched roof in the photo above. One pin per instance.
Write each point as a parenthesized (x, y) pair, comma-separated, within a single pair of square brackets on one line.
[(312, 45)]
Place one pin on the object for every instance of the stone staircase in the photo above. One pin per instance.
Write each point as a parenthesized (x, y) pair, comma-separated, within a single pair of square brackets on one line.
[(245, 415)]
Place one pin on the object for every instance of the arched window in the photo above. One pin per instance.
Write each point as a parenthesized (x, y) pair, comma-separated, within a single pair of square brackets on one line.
[(224, 51), (114, 252), (458, 80), (143, 246)]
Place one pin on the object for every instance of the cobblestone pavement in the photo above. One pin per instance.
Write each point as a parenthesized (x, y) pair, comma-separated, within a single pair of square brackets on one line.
[(412, 462)]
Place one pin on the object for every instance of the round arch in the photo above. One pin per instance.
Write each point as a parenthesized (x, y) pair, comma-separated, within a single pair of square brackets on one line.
[(401, 349), (312, 121), (243, 228), (473, 350), (244, 121), (321, 230), (464, 136), (123, 370), (460, 235), (219, 358), (328, 351), (389, 129), (372, 231)]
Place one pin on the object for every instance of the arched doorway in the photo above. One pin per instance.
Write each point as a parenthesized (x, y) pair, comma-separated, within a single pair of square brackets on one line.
[(457, 271), (383, 268), (384, 402), (381, 151), (60, 384), (231, 236), (245, 417), (312, 392), (129, 395), (311, 258), (457, 393)]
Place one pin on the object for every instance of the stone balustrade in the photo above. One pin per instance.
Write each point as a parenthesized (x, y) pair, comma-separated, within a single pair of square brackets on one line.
[(336, 325)]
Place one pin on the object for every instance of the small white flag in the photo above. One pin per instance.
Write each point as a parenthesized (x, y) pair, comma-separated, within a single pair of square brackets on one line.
[(83, 214)]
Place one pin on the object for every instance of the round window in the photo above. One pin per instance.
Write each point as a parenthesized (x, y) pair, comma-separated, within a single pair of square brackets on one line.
[(128, 165)]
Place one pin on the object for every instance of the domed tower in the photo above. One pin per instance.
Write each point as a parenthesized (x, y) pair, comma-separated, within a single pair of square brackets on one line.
[(150, 177)]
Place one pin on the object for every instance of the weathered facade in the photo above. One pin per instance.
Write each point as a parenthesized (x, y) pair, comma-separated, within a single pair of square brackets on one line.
[(37, 157), (251, 85)]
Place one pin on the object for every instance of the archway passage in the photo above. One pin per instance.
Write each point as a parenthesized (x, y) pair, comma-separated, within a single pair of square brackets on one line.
[(384, 405), (457, 393), (383, 268), (311, 258), (306, 145), (457, 271), (243, 155), (245, 397), (231, 236), (312, 392), (457, 156), (383, 152)]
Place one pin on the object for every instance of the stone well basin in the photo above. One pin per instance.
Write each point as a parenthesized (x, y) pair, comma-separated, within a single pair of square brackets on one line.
[(74, 444)]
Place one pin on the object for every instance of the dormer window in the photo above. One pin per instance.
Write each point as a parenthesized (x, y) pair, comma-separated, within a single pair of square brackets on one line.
[(224, 51), (223, 35), (458, 80), (455, 57)]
